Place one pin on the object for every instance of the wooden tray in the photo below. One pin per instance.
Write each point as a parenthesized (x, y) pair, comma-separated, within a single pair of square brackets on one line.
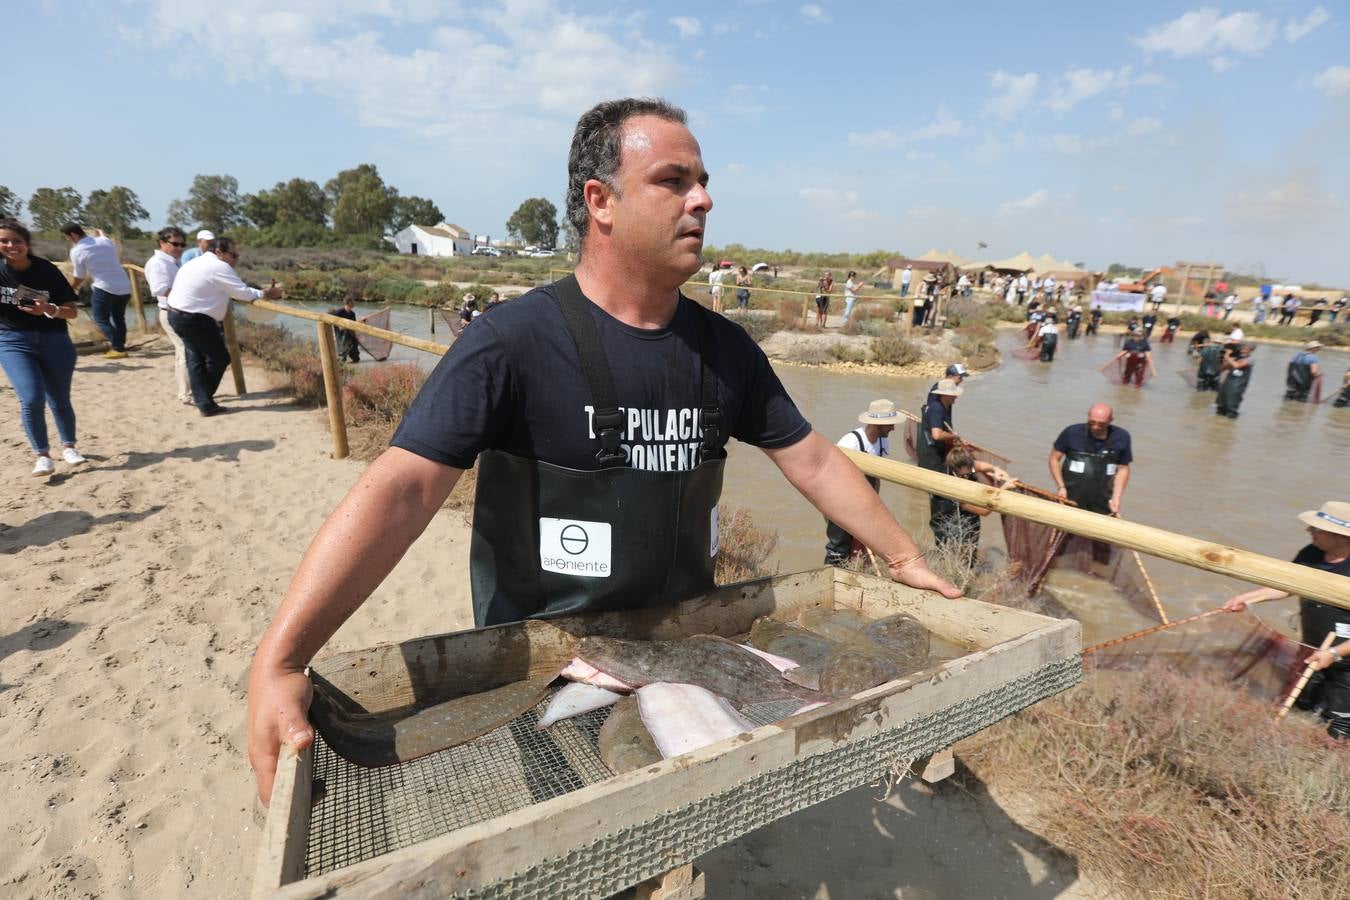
[(605, 836)]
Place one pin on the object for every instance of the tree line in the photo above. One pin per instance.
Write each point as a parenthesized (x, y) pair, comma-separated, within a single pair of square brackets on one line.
[(354, 208)]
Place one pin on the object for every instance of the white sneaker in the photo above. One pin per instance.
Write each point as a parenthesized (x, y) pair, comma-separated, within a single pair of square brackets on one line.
[(43, 467), (72, 457)]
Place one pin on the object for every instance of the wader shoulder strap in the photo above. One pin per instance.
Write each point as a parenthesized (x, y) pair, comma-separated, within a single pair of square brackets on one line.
[(710, 418), (595, 367)]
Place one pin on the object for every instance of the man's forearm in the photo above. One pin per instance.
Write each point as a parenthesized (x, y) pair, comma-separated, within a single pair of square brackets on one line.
[(833, 485), (1118, 483), (359, 544), (1056, 472)]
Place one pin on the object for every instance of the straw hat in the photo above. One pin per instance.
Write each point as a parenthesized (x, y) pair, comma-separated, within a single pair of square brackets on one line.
[(879, 412), (1334, 516), (470, 298), (1313, 345), (948, 388)]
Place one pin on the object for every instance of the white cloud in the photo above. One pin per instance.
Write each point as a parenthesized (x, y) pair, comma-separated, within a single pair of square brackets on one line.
[(1204, 32), (943, 125), (1334, 81), (1295, 30), (1077, 85), (815, 13), (842, 205), (1221, 63), (1145, 125), (522, 66), (1117, 112), (1033, 201), (1300, 200), (1013, 93), (727, 27), (687, 26)]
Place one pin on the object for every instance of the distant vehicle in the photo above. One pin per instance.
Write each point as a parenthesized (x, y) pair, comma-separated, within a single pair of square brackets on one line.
[(486, 251), (760, 267), (541, 254)]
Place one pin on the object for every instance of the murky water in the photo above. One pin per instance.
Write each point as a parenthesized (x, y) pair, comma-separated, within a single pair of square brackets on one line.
[(1238, 482)]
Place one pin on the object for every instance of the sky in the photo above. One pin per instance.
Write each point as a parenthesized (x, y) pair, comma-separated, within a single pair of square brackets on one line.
[(1144, 133)]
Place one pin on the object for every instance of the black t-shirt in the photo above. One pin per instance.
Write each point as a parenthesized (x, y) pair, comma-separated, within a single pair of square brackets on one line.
[(1137, 345), (1318, 618), (514, 383), (343, 313), (1078, 439), (41, 276), (936, 415)]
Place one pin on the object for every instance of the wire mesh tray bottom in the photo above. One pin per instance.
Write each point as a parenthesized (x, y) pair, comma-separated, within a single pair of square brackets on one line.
[(365, 813)]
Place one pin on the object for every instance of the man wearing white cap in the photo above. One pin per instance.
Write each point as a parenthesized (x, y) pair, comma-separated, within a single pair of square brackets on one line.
[(204, 238), (1303, 372), (936, 433), (877, 424), (1329, 690)]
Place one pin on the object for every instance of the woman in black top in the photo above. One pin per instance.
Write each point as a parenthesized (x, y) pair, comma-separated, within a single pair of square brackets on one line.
[(36, 353)]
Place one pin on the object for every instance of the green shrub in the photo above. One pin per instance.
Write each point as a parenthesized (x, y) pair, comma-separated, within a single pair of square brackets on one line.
[(893, 349), (848, 353), (758, 327)]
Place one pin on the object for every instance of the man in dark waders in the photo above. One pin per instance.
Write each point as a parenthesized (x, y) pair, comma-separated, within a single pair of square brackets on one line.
[(1237, 374), (936, 435), (1328, 691), (871, 437), (598, 409), (1209, 367), (1090, 462), (1074, 319), (346, 340), (1303, 372)]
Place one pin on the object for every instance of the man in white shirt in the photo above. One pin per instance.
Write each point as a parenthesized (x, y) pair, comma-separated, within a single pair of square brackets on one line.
[(96, 258), (160, 272), (715, 279), (198, 302), (204, 239), (1229, 304), (905, 278), (1158, 293), (877, 423)]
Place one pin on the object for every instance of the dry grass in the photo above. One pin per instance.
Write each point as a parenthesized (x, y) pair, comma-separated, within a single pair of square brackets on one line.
[(743, 547), (1179, 786), (375, 400)]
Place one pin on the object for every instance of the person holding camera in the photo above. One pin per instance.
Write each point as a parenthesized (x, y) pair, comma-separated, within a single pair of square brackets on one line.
[(36, 352)]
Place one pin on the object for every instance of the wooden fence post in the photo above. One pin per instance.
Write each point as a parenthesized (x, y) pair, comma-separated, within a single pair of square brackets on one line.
[(431, 318), (332, 388), (136, 297), (236, 360)]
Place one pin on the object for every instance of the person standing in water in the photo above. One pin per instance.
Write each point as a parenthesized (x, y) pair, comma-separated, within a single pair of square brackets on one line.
[(871, 437), (1236, 366), (1303, 372), (1090, 462)]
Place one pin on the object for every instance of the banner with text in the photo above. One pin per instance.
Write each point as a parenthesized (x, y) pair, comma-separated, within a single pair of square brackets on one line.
[(1118, 301)]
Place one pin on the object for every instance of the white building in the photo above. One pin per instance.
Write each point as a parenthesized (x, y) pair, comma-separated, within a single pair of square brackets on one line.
[(444, 239)]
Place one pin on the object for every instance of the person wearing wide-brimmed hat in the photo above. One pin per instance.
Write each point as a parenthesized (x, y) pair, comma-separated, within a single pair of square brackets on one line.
[(877, 423), (1329, 689), (936, 433), (1303, 372)]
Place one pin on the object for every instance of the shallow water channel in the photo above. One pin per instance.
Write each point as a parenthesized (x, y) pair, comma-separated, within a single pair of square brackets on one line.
[(1237, 482)]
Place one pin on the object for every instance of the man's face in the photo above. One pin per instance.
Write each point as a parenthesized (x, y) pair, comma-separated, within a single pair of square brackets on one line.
[(658, 213), (173, 246), (1098, 425), (885, 430), (202, 244)]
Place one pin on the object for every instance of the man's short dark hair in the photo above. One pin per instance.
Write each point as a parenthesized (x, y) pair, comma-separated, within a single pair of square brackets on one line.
[(168, 233), (222, 245), (596, 146), (73, 229)]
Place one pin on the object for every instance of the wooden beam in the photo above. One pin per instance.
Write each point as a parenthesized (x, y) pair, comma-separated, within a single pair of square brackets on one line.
[(285, 836), (236, 358), (1231, 561)]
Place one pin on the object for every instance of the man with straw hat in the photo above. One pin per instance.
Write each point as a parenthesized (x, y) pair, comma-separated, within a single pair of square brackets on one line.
[(936, 433), (1322, 625), (878, 421)]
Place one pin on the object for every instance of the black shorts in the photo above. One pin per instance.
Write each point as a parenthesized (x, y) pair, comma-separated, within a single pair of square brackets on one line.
[(822, 302)]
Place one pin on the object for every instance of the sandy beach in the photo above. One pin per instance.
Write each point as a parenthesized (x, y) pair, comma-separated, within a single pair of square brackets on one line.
[(136, 588)]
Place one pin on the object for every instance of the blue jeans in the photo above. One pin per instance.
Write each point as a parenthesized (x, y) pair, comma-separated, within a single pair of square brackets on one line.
[(848, 306), (39, 365), (110, 315), (904, 289), (207, 356)]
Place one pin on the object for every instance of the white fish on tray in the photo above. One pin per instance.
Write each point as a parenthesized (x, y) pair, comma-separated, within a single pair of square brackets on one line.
[(685, 717), (574, 699)]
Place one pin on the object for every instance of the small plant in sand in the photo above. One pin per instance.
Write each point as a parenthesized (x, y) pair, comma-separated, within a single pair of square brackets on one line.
[(892, 349), (845, 352)]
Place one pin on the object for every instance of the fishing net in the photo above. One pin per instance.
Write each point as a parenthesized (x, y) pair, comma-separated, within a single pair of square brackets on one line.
[(377, 347), (452, 320), (1189, 376), (1026, 354), (981, 454), (1239, 647), (1128, 370)]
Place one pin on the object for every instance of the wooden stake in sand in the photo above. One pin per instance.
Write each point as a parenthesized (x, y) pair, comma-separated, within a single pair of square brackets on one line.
[(332, 387), (1302, 680)]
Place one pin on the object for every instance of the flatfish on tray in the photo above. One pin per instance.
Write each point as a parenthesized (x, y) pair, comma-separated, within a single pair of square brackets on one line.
[(624, 742), (714, 663)]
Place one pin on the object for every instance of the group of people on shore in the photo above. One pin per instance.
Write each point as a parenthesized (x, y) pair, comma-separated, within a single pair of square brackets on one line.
[(37, 302)]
